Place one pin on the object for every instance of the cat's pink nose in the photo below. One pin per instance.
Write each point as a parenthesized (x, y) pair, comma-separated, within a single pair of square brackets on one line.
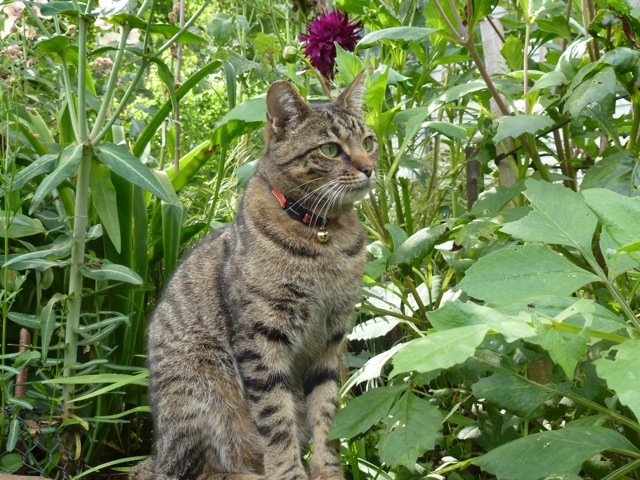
[(367, 169)]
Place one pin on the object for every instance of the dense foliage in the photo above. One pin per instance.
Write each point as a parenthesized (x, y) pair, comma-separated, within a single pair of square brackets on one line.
[(498, 332)]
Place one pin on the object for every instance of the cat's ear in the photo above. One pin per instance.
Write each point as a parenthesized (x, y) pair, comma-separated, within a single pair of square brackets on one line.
[(352, 96), (285, 108)]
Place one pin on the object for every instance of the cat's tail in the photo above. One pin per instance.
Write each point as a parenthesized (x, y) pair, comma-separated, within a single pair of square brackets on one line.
[(143, 470)]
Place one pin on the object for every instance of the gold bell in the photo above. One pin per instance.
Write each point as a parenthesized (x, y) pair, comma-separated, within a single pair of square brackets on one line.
[(323, 236)]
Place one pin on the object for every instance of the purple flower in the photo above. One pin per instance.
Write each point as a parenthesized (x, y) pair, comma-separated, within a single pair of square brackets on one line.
[(328, 28)]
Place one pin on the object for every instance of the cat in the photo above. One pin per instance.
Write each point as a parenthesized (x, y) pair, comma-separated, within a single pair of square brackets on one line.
[(244, 345)]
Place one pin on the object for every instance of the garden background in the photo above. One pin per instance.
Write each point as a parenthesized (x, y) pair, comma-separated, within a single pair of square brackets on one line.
[(497, 334)]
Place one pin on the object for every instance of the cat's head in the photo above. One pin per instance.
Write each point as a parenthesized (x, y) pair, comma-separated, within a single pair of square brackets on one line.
[(322, 155)]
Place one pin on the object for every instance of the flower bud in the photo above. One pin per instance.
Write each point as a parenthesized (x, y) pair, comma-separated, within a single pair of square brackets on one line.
[(290, 54)]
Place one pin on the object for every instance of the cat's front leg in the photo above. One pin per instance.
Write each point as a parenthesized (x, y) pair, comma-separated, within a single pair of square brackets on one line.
[(265, 366), (321, 394)]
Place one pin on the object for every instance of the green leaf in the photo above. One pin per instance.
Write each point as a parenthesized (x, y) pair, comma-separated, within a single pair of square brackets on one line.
[(417, 246), (348, 65), (168, 79), (48, 323), (617, 172), (10, 462), (44, 164), (43, 258), (556, 25), (364, 411), (492, 201), (439, 350), (516, 125), (165, 30), (512, 393), (619, 368), (559, 217), (120, 161), (619, 215), (593, 91), (550, 453), (565, 349), (622, 59), (454, 93), (105, 197), (20, 226), (458, 314), (68, 165), (554, 78), (374, 328), (244, 118), (60, 8), (521, 273), (513, 52), (113, 272), (413, 426), (57, 44), (14, 434), (447, 129), (396, 34)]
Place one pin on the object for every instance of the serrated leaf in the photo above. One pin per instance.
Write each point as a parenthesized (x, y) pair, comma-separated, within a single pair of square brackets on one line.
[(619, 215), (511, 393), (68, 165), (559, 217), (439, 350), (523, 272), (122, 162), (364, 411), (549, 453), (517, 125), (105, 198), (621, 373), (413, 426), (113, 272)]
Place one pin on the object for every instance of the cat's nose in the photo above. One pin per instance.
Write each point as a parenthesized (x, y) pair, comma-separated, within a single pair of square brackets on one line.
[(367, 169)]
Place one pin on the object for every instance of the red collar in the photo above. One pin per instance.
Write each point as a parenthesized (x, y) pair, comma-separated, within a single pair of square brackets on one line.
[(297, 212)]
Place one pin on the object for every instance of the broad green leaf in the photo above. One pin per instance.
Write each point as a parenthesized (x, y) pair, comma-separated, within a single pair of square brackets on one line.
[(417, 246), (593, 91), (244, 118), (113, 272), (449, 130), (20, 226), (57, 44), (105, 197), (68, 165), (439, 350), (622, 59), (364, 411), (396, 34), (189, 165), (619, 215), (58, 8), (554, 78), (414, 426), (556, 25), (122, 162), (521, 273), (572, 57), (512, 393), (617, 172), (454, 93), (492, 201), (165, 30), (550, 453), (559, 217), (457, 314), (10, 462), (173, 214), (622, 373), (565, 349), (515, 125)]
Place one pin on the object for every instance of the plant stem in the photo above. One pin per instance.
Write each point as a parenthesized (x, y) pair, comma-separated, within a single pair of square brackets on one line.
[(74, 302), (111, 83), (187, 25), (82, 79)]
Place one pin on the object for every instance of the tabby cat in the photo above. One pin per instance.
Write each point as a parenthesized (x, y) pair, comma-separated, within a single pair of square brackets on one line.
[(245, 343)]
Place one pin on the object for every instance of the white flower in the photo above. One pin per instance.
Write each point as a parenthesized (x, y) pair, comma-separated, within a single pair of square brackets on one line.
[(13, 10)]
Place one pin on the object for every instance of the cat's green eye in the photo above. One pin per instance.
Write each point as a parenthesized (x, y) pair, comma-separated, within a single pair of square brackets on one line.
[(330, 149), (367, 144)]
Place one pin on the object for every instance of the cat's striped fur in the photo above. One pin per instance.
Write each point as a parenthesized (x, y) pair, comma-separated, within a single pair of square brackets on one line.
[(245, 343)]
